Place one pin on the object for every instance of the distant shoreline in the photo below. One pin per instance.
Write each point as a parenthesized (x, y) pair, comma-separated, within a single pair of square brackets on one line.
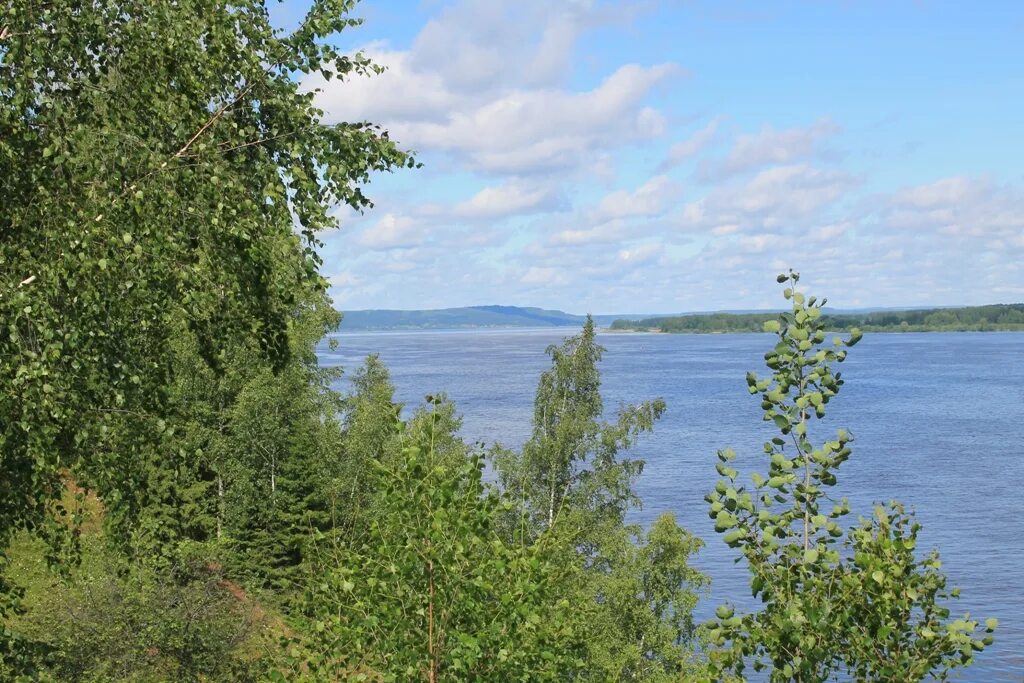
[(995, 317), (991, 318), (837, 330)]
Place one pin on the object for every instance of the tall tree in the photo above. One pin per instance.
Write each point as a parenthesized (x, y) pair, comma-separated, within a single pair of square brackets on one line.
[(284, 437), (369, 437), (148, 181), (859, 602), (571, 459), (634, 591)]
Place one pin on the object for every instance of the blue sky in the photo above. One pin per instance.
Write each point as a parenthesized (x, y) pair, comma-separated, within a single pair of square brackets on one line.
[(673, 155)]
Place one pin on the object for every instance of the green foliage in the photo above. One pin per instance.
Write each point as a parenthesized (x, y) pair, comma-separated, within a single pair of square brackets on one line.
[(283, 442), (369, 436), (896, 600), (148, 184), (833, 601), (244, 456), (635, 598), (430, 591), (969, 318), (634, 593), (571, 459), (100, 622)]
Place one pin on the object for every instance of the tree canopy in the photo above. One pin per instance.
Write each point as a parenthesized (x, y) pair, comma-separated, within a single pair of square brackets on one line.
[(161, 172)]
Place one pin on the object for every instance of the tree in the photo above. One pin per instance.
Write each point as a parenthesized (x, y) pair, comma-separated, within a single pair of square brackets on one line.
[(243, 457), (858, 602), (636, 595), (634, 592), (145, 183), (284, 437), (431, 591), (369, 437), (571, 457)]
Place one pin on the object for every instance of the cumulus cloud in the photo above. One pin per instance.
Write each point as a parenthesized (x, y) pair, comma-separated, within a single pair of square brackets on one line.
[(778, 196), (470, 43), (640, 254), (482, 84), (609, 232), (544, 276), (550, 180), (526, 131), (345, 280), (520, 131), (976, 209)]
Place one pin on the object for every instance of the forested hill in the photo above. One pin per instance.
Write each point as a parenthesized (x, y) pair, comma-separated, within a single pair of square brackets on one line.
[(468, 316), (970, 318)]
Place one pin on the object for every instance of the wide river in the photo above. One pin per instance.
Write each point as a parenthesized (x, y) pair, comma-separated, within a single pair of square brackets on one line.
[(938, 420)]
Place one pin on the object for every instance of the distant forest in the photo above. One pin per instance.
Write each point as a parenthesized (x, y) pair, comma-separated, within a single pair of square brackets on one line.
[(996, 317)]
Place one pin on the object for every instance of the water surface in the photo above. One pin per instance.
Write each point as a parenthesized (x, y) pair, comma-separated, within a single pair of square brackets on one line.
[(938, 420)]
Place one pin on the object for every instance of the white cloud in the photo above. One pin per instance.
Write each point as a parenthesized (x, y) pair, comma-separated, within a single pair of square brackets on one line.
[(519, 131), (990, 215), (345, 280), (942, 193), (831, 231), (775, 197), (537, 187), (771, 146), (608, 232), (391, 232), (650, 199), (792, 190), (529, 130), (759, 244), (483, 83), (680, 152), (476, 44), (640, 254), (510, 198), (544, 276)]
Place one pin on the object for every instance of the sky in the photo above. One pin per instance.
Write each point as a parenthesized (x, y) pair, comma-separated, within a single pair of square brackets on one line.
[(661, 156)]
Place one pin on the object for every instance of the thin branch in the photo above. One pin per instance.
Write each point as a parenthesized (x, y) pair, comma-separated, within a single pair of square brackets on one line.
[(212, 120)]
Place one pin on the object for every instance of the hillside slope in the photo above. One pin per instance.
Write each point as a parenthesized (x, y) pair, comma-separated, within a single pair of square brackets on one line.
[(451, 318)]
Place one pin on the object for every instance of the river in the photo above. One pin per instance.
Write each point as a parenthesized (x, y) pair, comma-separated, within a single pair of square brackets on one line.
[(938, 420)]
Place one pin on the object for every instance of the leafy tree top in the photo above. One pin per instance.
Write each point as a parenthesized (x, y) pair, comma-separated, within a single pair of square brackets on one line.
[(834, 601)]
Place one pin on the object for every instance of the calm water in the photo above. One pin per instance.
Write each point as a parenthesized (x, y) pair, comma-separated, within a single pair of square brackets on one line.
[(938, 421)]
